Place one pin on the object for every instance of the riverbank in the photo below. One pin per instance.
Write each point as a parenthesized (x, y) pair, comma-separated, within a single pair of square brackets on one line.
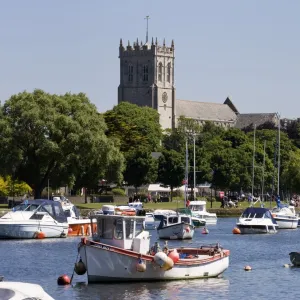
[(213, 207)]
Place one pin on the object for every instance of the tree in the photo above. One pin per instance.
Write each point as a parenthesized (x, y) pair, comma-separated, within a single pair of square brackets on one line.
[(8, 186), (54, 137), (141, 167), (187, 125), (171, 169), (174, 140), (292, 129), (134, 126), (291, 173)]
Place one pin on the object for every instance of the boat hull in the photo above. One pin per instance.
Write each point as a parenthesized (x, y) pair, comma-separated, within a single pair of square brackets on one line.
[(286, 223), (150, 226), (198, 223), (209, 219), (180, 231), (81, 227), (29, 231), (256, 229), (110, 264), (295, 258)]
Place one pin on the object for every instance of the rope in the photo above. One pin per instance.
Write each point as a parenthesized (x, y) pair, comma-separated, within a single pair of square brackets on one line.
[(74, 268)]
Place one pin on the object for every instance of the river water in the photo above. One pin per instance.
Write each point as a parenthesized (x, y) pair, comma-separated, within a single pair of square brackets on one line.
[(42, 261)]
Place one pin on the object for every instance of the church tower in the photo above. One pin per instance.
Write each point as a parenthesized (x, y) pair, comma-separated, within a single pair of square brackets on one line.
[(147, 78)]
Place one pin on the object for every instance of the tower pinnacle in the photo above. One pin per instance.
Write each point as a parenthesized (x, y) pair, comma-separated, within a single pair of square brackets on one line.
[(147, 19)]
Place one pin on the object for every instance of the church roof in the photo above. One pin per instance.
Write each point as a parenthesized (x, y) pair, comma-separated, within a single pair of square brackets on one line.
[(245, 120), (205, 111)]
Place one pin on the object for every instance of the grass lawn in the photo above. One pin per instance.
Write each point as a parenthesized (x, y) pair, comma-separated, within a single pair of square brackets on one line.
[(165, 205)]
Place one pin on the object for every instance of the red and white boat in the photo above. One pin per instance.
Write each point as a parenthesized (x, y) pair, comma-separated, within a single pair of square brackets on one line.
[(120, 251)]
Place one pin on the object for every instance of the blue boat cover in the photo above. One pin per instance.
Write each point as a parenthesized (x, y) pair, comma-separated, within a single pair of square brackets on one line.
[(257, 212), (54, 208)]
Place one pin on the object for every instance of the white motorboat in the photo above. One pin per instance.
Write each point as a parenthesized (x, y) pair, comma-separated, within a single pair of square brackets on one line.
[(21, 291), (150, 223), (285, 217), (176, 227), (257, 220), (136, 205), (78, 226), (198, 209), (120, 251), (163, 212), (34, 219)]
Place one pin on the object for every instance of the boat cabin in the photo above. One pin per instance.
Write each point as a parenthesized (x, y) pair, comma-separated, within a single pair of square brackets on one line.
[(257, 213), (174, 219), (126, 232), (41, 208), (283, 209), (199, 206)]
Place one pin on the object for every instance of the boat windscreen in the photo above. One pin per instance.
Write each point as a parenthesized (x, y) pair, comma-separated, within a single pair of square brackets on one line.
[(196, 207), (26, 207), (185, 220)]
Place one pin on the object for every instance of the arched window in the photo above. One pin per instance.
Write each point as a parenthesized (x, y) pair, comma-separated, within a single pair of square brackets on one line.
[(169, 72), (145, 73), (160, 71), (130, 73)]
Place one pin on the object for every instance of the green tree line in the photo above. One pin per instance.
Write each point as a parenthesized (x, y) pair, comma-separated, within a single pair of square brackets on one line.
[(64, 139)]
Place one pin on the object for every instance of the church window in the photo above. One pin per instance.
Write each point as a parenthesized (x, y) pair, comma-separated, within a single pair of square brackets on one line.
[(164, 97), (169, 72), (145, 73), (160, 72), (130, 73)]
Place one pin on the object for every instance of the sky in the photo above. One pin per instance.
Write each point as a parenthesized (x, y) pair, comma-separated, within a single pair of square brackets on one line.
[(247, 50)]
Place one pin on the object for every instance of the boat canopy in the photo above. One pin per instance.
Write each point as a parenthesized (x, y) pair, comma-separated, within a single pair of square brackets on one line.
[(54, 208), (257, 212)]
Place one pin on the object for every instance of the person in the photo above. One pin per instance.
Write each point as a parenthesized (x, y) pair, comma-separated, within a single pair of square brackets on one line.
[(188, 203), (149, 198), (158, 197)]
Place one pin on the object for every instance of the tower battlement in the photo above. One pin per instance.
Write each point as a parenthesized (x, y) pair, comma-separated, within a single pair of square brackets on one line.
[(139, 49)]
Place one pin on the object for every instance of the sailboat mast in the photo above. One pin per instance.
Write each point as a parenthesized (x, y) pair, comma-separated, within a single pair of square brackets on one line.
[(278, 168), (253, 162), (263, 173), (186, 172)]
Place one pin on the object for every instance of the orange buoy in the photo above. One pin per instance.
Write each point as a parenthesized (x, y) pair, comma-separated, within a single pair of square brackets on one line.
[(40, 235), (247, 268), (174, 255), (236, 230), (63, 280), (187, 229)]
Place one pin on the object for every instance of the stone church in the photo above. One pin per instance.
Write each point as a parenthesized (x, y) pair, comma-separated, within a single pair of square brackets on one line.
[(147, 79)]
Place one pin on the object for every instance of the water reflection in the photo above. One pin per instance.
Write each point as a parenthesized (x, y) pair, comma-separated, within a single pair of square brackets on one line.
[(192, 289)]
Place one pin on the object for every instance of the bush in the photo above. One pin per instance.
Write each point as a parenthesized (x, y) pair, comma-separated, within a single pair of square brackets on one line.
[(118, 192), (209, 199)]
